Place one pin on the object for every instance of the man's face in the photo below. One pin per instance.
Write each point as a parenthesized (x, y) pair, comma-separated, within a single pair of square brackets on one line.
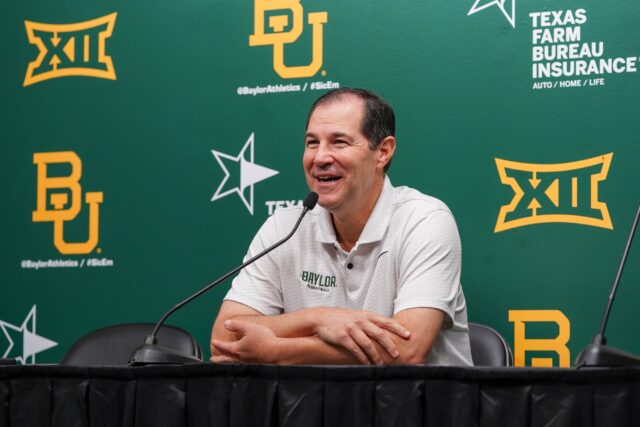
[(338, 163)]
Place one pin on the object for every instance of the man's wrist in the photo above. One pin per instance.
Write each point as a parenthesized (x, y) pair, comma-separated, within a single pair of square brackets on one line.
[(312, 318), (274, 350)]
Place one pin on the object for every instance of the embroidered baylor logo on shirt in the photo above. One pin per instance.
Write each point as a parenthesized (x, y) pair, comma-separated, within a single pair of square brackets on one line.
[(319, 282)]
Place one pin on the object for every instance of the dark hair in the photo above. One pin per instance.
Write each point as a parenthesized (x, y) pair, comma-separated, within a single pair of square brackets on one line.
[(379, 120)]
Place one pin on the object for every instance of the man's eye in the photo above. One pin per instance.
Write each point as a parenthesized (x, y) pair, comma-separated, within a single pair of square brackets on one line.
[(311, 143), (340, 142)]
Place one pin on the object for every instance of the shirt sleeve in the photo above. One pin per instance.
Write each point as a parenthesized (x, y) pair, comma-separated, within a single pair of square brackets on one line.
[(258, 285), (430, 258)]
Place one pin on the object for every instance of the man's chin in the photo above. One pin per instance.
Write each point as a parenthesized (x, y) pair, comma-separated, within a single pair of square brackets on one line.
[(328, 203)]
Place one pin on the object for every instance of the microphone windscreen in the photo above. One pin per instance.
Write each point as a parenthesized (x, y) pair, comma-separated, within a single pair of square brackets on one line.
[(311, 200)]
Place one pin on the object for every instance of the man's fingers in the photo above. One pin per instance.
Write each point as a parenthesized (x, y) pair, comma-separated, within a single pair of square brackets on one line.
[(365, 343), (349, 344), (224, 347), (361, 332), (382, 337), (236, 326), (222, 359), (392, 326)]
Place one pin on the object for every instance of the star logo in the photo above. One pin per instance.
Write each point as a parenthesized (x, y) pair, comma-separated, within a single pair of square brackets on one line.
[(250, 174), (32, 343), (483, 4)]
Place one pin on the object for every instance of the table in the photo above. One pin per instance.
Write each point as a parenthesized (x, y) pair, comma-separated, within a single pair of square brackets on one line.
[(309, 396)]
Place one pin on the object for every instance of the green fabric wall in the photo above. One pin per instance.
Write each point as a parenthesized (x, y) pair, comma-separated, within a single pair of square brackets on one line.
[(459, 75)]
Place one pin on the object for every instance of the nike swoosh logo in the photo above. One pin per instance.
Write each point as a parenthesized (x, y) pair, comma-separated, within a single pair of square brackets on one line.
[(382, 254)]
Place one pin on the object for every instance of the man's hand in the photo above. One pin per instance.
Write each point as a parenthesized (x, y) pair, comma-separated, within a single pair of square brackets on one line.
[(256, 344), (357, 330)]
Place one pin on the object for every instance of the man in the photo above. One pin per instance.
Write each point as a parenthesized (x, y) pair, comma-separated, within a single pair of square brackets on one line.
[(372, 275)]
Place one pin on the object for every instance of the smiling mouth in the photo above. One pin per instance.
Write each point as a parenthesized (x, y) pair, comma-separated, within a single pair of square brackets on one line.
[(328, 178)]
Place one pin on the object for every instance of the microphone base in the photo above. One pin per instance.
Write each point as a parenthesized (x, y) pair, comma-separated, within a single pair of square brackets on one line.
[(154, 354), (599, 355)]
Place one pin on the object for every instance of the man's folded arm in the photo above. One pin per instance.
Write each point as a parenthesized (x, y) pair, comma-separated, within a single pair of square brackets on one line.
[(323, 335), (288, 325), (293, 337)]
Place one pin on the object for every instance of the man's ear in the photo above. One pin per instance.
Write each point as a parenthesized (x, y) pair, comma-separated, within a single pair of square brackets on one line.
[(385, 151)]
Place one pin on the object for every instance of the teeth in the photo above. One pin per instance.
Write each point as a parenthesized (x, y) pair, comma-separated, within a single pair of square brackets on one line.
[(329, 178)]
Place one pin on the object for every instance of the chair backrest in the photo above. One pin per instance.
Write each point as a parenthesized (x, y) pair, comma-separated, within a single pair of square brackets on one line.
[(488, 348), (114, 345)]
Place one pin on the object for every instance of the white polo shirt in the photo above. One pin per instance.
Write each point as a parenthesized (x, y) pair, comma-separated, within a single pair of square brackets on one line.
[(408, 256)]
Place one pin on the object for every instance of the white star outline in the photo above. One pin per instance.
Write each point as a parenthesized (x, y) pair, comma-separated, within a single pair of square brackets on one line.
[(500, 3), (250, 173), (33, 343)]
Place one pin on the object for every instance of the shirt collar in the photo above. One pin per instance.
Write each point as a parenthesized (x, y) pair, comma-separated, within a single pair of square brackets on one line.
[(376, 226)]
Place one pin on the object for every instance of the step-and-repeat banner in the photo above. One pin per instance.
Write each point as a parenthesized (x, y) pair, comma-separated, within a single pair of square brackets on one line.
[(144, 143)]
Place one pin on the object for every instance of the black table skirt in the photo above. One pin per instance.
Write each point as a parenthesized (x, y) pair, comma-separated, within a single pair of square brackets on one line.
[(310, 396)]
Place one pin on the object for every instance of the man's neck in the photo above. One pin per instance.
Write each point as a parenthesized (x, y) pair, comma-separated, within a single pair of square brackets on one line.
[(350, 225)]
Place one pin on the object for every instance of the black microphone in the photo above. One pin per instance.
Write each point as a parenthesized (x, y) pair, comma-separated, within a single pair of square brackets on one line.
[(598, 353), (153, 353)]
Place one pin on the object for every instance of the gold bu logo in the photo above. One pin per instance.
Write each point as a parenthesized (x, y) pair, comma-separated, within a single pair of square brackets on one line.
[(70, 50), (279, 37), (63, 210), (557, 344), (561, 192)]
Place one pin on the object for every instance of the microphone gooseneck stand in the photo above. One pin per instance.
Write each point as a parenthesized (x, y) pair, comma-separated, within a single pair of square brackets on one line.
[(598, 353), (153, 353)]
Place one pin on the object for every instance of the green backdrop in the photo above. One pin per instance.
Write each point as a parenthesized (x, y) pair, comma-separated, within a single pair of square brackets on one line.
[(144, 93)]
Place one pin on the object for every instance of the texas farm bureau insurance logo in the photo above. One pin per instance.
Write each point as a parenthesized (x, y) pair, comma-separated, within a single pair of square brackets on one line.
[(77, 49), (285, 21), (250, 173), (59, 201), (561, 192), (566, 50)]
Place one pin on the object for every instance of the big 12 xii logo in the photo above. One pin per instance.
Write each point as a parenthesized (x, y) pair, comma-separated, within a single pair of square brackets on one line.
[(560, 192), (64, 50)]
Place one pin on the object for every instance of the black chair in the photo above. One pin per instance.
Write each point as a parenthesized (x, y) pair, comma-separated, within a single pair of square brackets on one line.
[(488, 348), (114, 345)]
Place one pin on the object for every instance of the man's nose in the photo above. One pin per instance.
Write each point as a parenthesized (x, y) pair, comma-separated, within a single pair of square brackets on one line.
[(323, 155)]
